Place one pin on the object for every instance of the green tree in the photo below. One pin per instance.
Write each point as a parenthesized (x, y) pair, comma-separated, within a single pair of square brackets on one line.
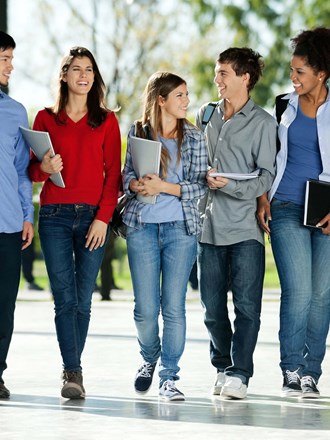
[(266, 26)]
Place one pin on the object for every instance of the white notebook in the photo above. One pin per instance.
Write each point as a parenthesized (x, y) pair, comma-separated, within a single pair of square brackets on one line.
[(40, 143), (146, 160), (237, 176)]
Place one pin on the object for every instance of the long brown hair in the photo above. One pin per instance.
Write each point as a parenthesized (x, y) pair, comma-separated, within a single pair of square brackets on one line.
[(160, 84), (97, 109)]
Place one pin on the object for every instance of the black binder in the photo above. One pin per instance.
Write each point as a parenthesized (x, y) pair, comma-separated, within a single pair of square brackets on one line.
[(317, 202)]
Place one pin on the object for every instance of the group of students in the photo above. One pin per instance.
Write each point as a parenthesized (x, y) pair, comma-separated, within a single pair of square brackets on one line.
[(197, 213)]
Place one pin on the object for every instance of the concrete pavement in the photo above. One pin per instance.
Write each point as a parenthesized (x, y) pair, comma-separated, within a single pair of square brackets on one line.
[(112, 410)]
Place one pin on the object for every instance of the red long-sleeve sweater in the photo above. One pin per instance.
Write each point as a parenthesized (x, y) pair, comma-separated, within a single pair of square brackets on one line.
[(91, 163)]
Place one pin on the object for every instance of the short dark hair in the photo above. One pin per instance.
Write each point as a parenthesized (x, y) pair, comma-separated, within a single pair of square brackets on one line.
[(314, 46), (6, 41), (243, 60)]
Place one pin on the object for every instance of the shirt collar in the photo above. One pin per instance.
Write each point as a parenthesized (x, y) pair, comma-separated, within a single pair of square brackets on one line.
[(245, 110)]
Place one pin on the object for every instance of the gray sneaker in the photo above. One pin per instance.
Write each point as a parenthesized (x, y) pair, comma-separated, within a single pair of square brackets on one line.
[(72, 385), (169, 392), (309, 388)]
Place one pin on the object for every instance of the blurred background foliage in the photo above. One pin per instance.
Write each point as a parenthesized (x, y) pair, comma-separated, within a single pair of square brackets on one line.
[(133, 38)]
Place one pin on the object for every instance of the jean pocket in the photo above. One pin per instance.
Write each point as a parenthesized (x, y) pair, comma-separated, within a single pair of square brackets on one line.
[(48, 211)]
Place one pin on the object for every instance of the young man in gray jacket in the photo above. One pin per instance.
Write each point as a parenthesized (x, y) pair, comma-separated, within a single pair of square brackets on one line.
[(241, 138)]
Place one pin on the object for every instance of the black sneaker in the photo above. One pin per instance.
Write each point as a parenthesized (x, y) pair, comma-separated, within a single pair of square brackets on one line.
[(143, 378), (309, 388), (73, 385), (291, 384)]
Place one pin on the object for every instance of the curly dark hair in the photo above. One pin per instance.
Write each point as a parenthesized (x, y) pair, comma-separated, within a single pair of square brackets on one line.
[(243, 60), (314, 46)]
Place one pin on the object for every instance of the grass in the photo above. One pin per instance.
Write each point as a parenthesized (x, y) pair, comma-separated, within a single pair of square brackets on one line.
[(122, 274)]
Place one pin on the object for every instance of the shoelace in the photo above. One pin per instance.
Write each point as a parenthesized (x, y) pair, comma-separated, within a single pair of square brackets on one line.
[(169, 385), (292, 376), (307, 380), (145, 370)]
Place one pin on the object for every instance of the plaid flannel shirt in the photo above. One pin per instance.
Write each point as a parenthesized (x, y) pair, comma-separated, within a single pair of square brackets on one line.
[(193, 185)]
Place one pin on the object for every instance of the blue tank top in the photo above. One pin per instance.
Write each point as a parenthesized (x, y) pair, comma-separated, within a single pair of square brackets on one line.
[(304, 159)]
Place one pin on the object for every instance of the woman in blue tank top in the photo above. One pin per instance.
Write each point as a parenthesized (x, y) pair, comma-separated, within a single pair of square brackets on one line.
[(302, 253)]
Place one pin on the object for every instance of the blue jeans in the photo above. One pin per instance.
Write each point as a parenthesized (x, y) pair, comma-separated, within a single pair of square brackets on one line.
[(161, 257), (302, 258), (72, 271), (10, 269), (241, 268)]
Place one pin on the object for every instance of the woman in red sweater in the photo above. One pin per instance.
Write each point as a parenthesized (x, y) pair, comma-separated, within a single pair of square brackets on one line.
[(73, 221)]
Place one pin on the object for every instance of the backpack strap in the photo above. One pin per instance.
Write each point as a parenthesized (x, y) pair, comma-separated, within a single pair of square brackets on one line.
[(207, 114), (280, 106)]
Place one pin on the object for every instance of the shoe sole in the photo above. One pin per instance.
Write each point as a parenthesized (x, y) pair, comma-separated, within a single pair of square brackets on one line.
[(310, 395), (172, 399), (291, 393), (72, 391), (232, 394)]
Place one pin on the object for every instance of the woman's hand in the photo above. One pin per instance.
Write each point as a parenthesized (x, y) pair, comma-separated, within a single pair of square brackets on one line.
[(96, 235), (151, 185), (215, 182), (263, 213), (51, 164), (135, 185), (325, 221)]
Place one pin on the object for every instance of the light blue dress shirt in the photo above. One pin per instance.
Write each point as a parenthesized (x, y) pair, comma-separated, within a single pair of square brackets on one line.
[(15, 186)]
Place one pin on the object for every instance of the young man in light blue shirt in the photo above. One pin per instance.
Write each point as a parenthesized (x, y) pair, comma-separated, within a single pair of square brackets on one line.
[(16, 213)]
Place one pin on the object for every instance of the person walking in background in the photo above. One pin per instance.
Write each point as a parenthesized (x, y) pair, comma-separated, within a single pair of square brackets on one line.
[(162, 238), (73, 221), (16, 213), (241, 138), (302, 253), (28, 257), (107, 276)]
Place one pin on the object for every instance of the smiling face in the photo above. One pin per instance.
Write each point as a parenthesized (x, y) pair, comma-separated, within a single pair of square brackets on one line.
[(6, 66), (304, 78), (229, 84), (79, 76), (176, 103)]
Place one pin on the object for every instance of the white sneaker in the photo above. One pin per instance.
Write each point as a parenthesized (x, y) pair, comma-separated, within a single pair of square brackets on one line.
[(220, 380), (234, 388), (169, 392)]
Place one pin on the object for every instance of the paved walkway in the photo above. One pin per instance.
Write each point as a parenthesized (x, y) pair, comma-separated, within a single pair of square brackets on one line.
[(113, 411)]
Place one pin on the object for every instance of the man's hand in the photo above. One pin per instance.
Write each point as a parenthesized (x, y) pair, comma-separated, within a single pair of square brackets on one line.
[(27, 234), (215, 182)]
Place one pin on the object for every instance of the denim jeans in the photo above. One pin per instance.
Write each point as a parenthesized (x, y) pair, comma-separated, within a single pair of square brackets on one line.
[(72, 271), (239, 267), (10, 269), (302, 256), (161, 257)]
